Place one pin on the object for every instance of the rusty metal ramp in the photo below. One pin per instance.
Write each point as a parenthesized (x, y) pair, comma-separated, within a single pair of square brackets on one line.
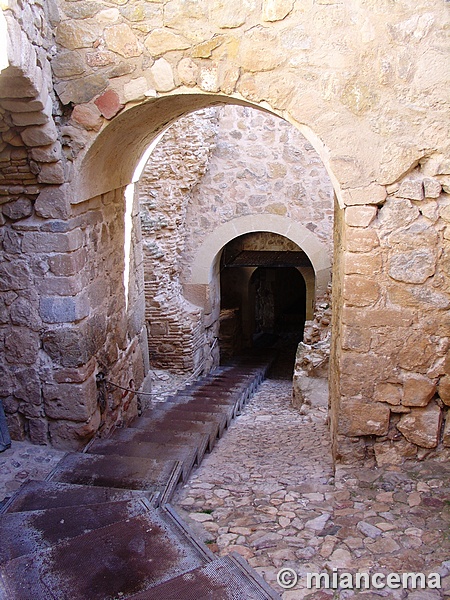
[(227, 578), (28, 532), (38, 495), (186, 455), (129, 472), (112, 562)]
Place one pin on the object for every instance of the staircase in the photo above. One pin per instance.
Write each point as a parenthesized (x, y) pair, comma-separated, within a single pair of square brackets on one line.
[(100, 527)]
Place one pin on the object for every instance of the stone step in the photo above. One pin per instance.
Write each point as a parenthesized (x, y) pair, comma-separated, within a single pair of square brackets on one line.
[(114, 561), (31, 531), (226, 578), (38, 495), (124, 472)]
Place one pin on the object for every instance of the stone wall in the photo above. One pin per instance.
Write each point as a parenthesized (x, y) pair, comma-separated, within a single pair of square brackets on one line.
[(395, 319), (209, 168), (365, 82)]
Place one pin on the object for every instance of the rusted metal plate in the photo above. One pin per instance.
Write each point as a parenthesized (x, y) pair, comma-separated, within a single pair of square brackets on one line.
[(196, 440), (127, 472), (221, 579), (183, 453), (172, 423), (37, 495), (112, 562), (171, 412), (31, 531)]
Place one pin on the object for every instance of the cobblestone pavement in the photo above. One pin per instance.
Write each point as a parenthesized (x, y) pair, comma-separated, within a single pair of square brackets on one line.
[(24, 461), (268, 492)]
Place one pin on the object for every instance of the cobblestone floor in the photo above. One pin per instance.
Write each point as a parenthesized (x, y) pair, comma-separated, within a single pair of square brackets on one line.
[(268, 492)]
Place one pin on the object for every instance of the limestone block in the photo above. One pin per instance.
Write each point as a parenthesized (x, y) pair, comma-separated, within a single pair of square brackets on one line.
[(187, 71), (418, 296), (121, 39), (375, 317), (38, 431), (388, 392), (415, 266), (205, 49), (50, 153), (359, 240), (162, 75), (208, 79), (26, 119), (74, 35), (360, 216), (362, 263), (52, 173), (21, 346), (356, 338), (136, 89), (418, 390), (18, 209), (432, 187), (160, 41), (229, 15), (66, 346), (52, 203), (422, 425), (70, 435), (446, 434), (71, 401), (68, 64), (360, 291), (444, 389), (393, 452), (44, 242), (397, 213), (65, 309), (40, 135), (14, 275), (88, 116), (444, 167), (276, 10), (260, 50), (100, 58), (372, 194), (411, 189), (358, 417), (81, 90), (109, 104)]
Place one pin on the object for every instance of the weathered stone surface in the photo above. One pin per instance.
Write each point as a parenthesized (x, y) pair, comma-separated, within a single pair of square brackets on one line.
[(363, 418), (256, 51), (52, 173), (422, 425), (18, 209), (136, 89), (418, 390), (121, 39), (68, 64), (411, 189), (21, 346), (52, 203), (109, 104), (71, 401), (74, 35), (14, 275), (358, 263), (372, 194), (40, 136), (432, 187), (187, 71), (413, 267), (88, 116), (276, 10), (360, 291), (444, 389), (388, 392), (446, 434), (81, 90), (397, 213), (360, 216), (160, 41), (63, 309), (50, 153), (359, 240), (162, 75)]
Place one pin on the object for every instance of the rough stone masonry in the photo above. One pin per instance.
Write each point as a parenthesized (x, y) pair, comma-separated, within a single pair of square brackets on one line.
[(84, 89)]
